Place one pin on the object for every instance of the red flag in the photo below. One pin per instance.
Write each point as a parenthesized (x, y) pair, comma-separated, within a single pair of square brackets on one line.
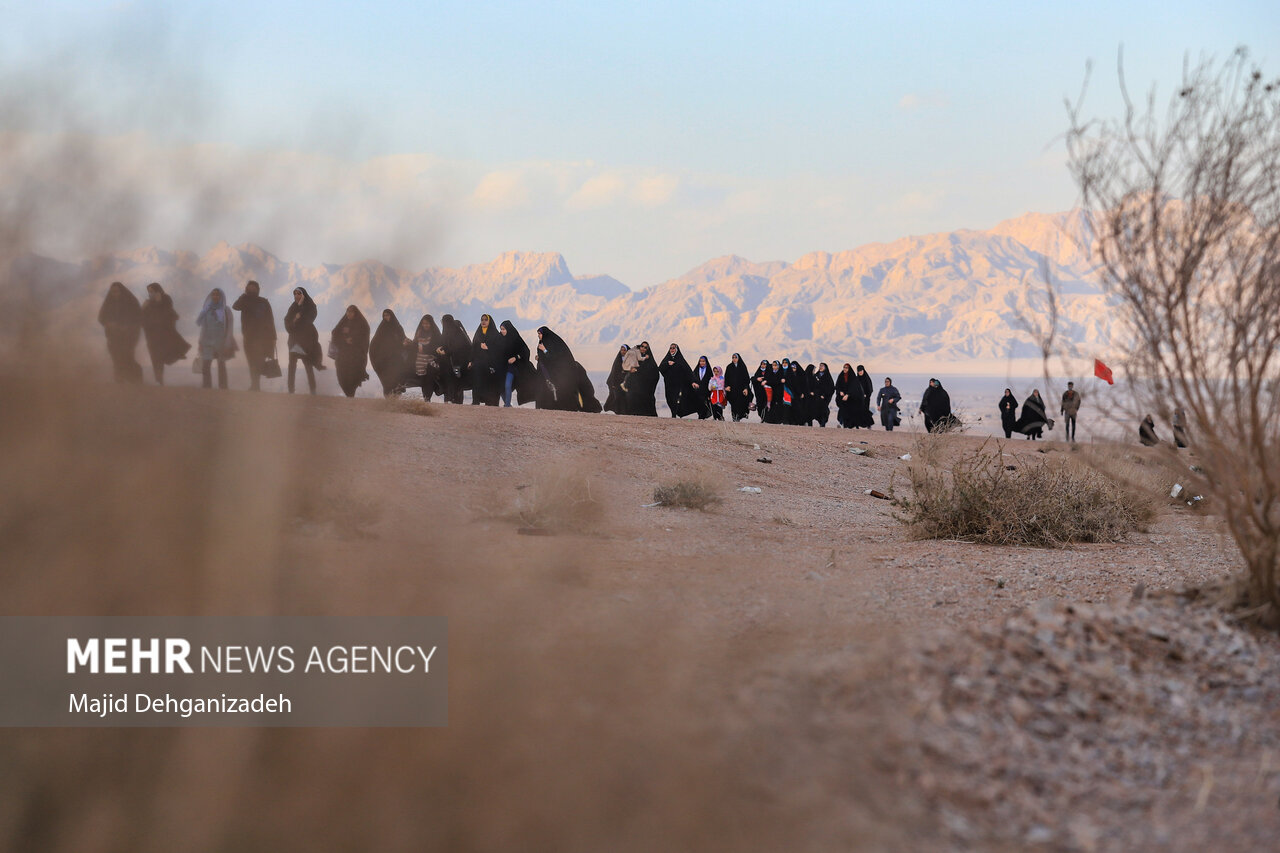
[(1101, 371)]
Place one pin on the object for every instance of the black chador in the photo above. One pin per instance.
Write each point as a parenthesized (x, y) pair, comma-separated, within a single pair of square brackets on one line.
[(121, 319), (349, 346), (737, 387), (642, 385), (1009, 413), (677, 378), (454, 352), (615, 401), (391, 354), (160, 326), (566, 385), (487, 365), (525, 380), (427, 356)]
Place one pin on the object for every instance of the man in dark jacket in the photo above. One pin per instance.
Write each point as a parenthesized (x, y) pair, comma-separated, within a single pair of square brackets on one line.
[(1070, 408), (258, 328)]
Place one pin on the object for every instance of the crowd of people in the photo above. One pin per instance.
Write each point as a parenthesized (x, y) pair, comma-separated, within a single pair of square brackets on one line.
[(497, 366)]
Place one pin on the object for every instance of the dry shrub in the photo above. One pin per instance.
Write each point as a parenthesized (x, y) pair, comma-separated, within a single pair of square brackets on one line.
[(696, 492), (410, 406), (561, 498), (1182, 213), (1044, 504)]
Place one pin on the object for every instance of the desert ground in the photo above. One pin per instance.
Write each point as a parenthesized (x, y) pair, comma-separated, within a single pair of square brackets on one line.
[(784, 670)]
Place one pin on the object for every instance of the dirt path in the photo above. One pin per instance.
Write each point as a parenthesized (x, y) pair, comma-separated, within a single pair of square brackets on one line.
[(775, 673)]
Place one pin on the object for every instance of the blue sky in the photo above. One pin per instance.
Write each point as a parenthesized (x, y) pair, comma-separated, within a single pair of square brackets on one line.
[(637, 139)]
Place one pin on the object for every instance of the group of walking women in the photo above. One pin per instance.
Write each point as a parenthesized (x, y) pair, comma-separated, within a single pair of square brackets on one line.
[(494, 363), (779, 392), (125, 320), (440, 359)]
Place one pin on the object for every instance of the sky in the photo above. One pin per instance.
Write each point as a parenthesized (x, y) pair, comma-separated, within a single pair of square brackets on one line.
[(639, 140)]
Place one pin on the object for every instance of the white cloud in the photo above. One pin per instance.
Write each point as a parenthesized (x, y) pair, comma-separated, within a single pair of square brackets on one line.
[(597, 191), (655, 190), (505, 190)]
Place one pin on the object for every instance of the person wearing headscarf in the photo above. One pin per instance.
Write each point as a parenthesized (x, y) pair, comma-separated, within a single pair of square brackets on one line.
[(887, 403), (702, 374), (258, 329), (935, 405), (615, 400), (349, 346), (520, 375), (427, 356), (824, 388), (566, 384), (391, 354), (487, 367), (455, 359), (1009, 412), (160, 326), (808, 396), (1147, 432), (715, 386), (846, 386), (304, 338), (1181, 438), (868, 389), (677, 377), (121, 319), (777, 412), (1033, 418), (642, 384), (217, 337), (794, 393), (737, 387), (761, 388)]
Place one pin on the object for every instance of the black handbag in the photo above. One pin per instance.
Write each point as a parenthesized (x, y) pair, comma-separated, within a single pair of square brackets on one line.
[(271, 367)]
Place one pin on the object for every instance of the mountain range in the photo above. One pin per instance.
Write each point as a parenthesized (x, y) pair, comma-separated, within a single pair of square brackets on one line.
[(947, 303)]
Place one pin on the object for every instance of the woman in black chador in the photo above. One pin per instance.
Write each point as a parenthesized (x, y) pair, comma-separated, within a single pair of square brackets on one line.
[(615, 401), (642, 385), (455, 358), (427, 356), (790, 391), (737, 387), (761, 389), (850, 399), (121, 318), (258, 329), (304, 338), (566, 385), (702, 374), (1033, 419), (487, 365), (391, 354), (349, 346), (1009, 412), (824, 389), (935, 405), (1147, 432), (677, 379), (868, 388), (777, 411), (520, 375), (160, 325)]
